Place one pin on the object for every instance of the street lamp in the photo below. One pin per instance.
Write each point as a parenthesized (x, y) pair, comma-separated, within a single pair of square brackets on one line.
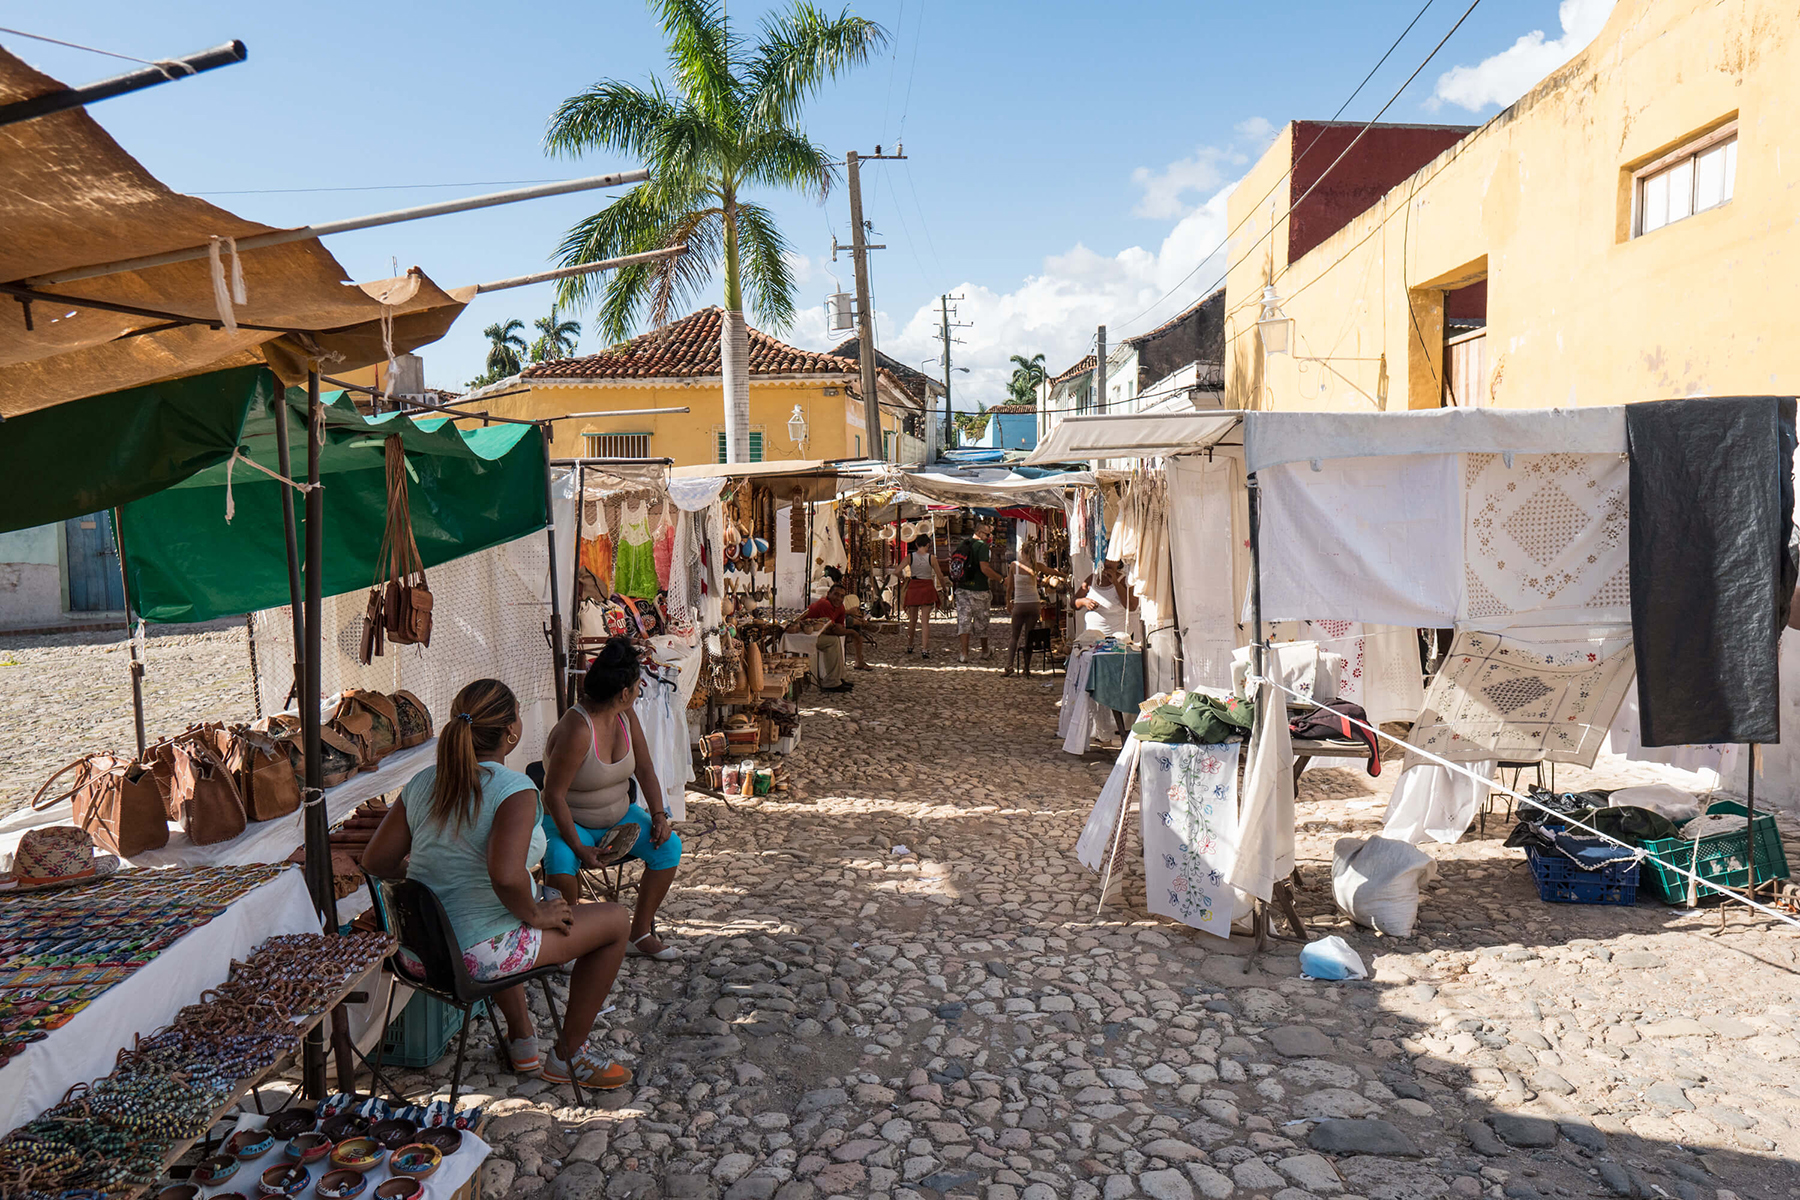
[(1276, 326), (797, 428)]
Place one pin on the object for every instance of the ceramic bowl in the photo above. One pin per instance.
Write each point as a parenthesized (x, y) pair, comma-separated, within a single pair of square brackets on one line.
[(400, 1187), (416, 1161), (308, 1148), (211, 1172), (443, 1139), (394, 1132), (290, 1122), (180, 1191), (284, 1179), (357, 1154), (248, 1145), (342, 1185), (344, 1126), (229, 1196)]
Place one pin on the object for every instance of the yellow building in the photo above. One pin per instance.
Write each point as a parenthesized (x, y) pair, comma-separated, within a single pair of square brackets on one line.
[(677, 366), (1628, 230)]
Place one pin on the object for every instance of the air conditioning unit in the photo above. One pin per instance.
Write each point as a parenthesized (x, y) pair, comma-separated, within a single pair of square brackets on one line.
[(840, 312)]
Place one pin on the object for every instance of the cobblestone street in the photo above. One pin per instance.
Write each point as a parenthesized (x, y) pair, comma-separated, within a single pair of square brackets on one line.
[(895, 985)]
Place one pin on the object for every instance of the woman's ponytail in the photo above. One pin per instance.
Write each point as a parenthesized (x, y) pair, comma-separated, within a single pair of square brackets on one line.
[(479, 718)]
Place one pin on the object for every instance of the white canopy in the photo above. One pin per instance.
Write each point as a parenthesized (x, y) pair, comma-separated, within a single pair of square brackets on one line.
[(1133, 435), (1272, 438), (981, 487)]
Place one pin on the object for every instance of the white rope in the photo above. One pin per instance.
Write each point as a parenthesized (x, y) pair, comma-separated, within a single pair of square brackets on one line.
[(238, 456), (1496, 785), (226, 296), (387, 343)]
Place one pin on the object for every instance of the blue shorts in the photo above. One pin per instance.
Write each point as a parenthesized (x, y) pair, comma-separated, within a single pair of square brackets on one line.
[(559, 859)]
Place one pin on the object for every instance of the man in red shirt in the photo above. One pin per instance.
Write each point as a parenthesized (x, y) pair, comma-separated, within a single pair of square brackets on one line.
[(830, 662)]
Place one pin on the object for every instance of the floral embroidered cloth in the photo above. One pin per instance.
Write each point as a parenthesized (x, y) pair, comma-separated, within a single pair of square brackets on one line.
[(1503, 697), (1188, 803), (1544, 539)]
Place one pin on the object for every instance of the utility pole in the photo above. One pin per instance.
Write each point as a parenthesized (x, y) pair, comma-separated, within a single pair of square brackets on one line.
[(1100, 368), (865, 319), (944, 309)]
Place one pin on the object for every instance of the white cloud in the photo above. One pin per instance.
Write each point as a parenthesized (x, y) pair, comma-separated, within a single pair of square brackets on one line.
[(1166, 191), (1506, 76)]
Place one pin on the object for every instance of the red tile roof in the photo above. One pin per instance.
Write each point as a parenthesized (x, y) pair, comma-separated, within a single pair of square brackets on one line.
[(1086, 364), (689, 348), (1013, 409)]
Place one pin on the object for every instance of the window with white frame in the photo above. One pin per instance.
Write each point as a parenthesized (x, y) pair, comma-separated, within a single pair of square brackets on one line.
[(1692, 179), (616, 445)]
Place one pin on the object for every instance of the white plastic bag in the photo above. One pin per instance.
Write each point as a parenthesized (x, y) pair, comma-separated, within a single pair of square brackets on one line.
[(1671, 802), (1331, 958), (1377, 882)]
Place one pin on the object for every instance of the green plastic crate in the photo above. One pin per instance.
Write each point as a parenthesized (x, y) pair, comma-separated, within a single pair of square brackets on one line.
[(1724, 860), (422, 1033)]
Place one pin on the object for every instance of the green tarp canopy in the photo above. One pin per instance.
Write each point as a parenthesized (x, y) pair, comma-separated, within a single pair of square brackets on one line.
[(104, 451), (467, 490)]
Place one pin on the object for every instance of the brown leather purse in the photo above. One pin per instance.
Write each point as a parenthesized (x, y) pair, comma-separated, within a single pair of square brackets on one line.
[(199, 793), (354, 727), (384, 730), (400, 602), (414, 719), (263, 770), (339, 756), (116, 801)]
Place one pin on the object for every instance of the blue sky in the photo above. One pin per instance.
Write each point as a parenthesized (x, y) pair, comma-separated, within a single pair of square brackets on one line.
[(1066, 161)]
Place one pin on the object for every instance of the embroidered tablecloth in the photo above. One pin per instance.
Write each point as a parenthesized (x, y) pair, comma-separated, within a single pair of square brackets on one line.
[(1188, 803), (1544, 539)]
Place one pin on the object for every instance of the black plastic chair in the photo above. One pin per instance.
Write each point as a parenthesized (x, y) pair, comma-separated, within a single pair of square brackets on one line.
[(415, 916), (1038, 642)]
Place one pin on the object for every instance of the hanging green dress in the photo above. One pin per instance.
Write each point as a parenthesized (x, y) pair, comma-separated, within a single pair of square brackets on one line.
[(634, 562)]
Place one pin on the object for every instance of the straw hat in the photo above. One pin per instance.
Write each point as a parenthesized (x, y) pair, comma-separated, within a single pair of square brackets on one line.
[(57, 856), (852, 603)]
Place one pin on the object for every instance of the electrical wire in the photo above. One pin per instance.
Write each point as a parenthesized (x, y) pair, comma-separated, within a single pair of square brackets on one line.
[(887, 104), (1226, 240), (38, 37), (924, 226), (377, 187), (906, 106)]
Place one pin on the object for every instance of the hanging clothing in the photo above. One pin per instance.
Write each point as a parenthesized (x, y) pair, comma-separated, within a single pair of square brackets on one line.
[(1266, 825), (1209, 563), (597, 548), (634, 568), (662, 715), (1382, 672), (1713, 564), (662, 550)]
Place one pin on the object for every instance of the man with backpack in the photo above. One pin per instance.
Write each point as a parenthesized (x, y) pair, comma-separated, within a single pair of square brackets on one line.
[(973, 578)]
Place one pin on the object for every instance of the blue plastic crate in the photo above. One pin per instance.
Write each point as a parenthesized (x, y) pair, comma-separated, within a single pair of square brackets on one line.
[(1560, 881)]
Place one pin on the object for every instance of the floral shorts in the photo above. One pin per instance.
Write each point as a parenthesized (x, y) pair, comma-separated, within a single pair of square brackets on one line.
[(504, 954), (972, 609)]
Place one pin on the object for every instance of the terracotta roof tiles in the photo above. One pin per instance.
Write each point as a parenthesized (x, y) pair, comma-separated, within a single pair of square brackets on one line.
[(689, 348)]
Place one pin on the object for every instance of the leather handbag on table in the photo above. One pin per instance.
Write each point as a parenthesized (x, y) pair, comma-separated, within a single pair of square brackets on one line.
[(116, 801), (414, 719), (384, 733), (400, 602), (263, 769), (199, 793), (339, 756), (354, 725)]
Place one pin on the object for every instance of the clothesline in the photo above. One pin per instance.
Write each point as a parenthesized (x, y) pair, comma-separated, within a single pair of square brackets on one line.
[(1496, 785)]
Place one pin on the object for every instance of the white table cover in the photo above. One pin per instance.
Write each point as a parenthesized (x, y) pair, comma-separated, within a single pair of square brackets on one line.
[(88, 1046)]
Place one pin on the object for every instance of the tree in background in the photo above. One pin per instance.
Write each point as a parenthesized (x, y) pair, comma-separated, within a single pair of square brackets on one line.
[(1028, 374), (506, 352), (556, 339), (972, 425), (727, 122)]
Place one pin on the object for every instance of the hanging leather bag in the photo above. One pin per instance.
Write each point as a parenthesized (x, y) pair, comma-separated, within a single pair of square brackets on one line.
[(116, 801), (406, 603), (263, 770)]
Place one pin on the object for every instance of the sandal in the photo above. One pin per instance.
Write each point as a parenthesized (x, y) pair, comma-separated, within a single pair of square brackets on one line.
[(666, 954), (1008, 670)]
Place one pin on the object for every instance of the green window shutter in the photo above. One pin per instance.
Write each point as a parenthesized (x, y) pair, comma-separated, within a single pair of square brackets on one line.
[(756, 446), (721, 457)]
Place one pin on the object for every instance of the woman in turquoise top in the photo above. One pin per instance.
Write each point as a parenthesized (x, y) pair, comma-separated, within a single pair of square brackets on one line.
[(469, 829)]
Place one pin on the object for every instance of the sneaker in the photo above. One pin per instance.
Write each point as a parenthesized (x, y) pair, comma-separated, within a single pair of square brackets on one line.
[(585, 1070), (924, 654), (909, 650), (962, 658), (522, 1056)]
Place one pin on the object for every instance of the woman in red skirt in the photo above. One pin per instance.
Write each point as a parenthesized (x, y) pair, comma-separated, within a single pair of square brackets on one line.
[(922, 583)]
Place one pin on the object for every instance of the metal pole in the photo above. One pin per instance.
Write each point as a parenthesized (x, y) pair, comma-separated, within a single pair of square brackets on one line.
[(296, 598), (136, 668), (559, 659), (1750, 815), (865, 335), (167, 71), (1100, 367), (280, 237), (606, 264), (1259, 655), (944, 312), (318, 845)]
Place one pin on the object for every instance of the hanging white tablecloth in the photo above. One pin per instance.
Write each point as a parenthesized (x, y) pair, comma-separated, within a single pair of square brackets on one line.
[(1188, 807), (88, 1046), (1266, 826), (1432, 801), (1545, 539)]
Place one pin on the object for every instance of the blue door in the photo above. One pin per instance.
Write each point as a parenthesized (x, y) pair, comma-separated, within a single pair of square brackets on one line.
[(94, 582)]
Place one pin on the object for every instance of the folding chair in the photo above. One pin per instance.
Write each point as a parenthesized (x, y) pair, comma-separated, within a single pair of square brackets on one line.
[(601, 883), (429, 960)]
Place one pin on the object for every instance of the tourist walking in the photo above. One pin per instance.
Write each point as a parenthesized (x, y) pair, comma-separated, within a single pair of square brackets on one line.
[(974, 577), (468, 828), (592, 757), (922, 585), (1023, 604)]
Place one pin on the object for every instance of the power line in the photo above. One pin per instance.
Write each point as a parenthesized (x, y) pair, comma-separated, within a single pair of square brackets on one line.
[(378, 187), (923, 224), (38, 37), (887, 104), (1280, 179), (918, 31)]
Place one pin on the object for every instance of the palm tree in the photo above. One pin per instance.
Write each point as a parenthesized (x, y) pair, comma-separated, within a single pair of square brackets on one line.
[(506, 349), (1028, 374), (726, 123), (557, 339), (974, 424)]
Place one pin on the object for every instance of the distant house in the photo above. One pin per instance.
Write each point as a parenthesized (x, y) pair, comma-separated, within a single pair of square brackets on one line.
[(678, 365), (1010, 427), (1066, 395)]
